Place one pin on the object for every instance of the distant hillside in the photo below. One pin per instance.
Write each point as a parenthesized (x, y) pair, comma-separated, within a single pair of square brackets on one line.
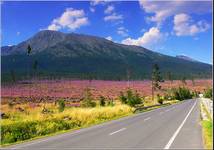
[(83, 56)]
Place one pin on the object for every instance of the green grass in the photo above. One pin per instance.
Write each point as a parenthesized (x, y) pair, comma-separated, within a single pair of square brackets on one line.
[(207, 126)]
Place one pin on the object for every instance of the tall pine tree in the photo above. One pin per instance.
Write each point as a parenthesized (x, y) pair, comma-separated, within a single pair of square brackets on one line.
[(156, 79)]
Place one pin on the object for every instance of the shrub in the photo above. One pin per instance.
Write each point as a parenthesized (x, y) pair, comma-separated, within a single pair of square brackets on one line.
[(110, 103), (123, 98), (130, 98), (88, 100), (102, 101), (181, 93), (195, 94), (160, 99), (61, 106), (167, 97), (208, 93), (10, 104)]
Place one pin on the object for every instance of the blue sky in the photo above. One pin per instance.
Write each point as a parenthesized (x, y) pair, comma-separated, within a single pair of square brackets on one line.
[(172, 28)]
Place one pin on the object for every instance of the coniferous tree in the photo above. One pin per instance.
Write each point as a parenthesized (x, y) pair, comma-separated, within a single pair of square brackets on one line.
[(156, 79)]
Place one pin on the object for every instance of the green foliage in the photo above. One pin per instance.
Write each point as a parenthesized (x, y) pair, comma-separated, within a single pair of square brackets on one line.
[(29, 49), (160, 99), (181, 93), (208, 93), (61, 105), (123, 98), (130, 98), (25, 130), (195, 94), (156, 77), (168, 96), (88, 100), (10, 104), (111, 103), (102, 101)]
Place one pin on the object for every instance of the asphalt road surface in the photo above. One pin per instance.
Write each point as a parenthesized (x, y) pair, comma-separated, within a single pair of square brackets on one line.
[(172, 127)]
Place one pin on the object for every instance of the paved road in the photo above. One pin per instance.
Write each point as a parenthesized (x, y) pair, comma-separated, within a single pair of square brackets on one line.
[(176, 126)]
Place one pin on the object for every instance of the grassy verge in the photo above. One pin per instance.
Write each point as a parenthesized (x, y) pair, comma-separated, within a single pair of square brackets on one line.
[(155, 107), (207, 126)]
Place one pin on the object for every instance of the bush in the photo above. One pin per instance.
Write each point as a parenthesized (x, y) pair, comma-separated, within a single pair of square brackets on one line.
[(102, 101), (123, 98), (110, 103), (88, 100), (160, 99), (208, 93), (61, 106), (181, 93), (168, 97), (10, 104), (195, 94), (130, 98)]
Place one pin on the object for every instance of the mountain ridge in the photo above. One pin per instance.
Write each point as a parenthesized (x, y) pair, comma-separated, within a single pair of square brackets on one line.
[(62, 53)]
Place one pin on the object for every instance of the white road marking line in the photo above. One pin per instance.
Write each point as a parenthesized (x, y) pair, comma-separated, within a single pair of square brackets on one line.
[(117, 131), (147, 118), (179, 128)]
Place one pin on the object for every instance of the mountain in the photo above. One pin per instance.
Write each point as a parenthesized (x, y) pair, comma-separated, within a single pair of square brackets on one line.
[(6, 50), (84, 56), (184, 57)]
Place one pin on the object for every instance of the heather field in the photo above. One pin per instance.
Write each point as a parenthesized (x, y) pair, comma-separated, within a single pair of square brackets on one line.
[(72, 90)]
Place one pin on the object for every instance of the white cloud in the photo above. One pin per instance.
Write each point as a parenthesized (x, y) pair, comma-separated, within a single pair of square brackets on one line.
[(184, 27), (164, 9), (54, 27), (109, 9), (71, 19), (113, 17), (109, 38), (150, 37), (122, 31), (97, 2)]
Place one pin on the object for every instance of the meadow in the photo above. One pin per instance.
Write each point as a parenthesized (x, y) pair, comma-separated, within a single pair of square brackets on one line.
[(72, 90)]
